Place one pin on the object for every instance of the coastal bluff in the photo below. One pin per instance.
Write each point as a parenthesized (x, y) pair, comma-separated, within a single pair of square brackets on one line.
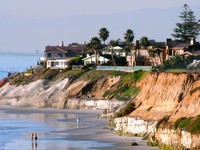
[(164, 103)]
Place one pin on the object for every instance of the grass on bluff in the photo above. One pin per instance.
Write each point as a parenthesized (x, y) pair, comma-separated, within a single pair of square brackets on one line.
[(127, 88), (93, 75), (182, 123), (176, 71), (191, 125), (126, 110), (47, 74)]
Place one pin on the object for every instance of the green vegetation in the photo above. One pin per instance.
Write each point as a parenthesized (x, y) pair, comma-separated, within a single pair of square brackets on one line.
[(76, 61), (176, 70), (152, 143), (127, 109), (182, 123), (131, 91), (162, 121), (165, 147), (50, 74), (179, 64), (23, 78), (111, 122), (124, 90), (127, 88), (194, 126), (103, 34), (93, 75), (189, 27), (191, 125), (145, 137)]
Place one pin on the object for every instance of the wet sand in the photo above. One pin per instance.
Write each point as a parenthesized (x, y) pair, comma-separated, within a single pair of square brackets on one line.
[(65, 134)]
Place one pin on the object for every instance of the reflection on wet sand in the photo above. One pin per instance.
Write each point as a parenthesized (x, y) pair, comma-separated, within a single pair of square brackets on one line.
[(34, 145)]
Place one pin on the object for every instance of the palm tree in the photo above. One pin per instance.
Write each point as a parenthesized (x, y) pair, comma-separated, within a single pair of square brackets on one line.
[(95, 43), (144, 41), (103, 34), (129, 37), (155, 51), (113, 43)]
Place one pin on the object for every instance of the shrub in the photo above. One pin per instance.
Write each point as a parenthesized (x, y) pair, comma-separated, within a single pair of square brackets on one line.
[(194, 125), (76, 61), (182, 122), (162, 121), (127, 109), (152, 143), (137, 75), (191, 125), (111, 122)]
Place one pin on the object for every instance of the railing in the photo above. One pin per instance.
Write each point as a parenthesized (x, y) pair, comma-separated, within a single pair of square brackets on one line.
[(125, 68)]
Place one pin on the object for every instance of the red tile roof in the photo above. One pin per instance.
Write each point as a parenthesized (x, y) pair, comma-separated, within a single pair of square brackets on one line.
[(64, 49)]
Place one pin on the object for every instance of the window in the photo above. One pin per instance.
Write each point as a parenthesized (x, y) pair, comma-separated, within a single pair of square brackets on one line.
[(54, 64), (59, 54), (48, 54)]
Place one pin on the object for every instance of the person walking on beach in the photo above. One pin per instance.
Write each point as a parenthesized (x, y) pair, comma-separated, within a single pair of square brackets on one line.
[(34, 136), (78, 120)]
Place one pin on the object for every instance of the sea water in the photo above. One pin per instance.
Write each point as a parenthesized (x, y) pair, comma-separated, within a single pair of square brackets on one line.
[(17, 62), (16, 126)]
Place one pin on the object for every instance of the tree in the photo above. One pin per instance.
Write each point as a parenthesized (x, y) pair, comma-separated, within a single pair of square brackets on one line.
[(95, 44), (129, 37), (103, 34), (189, 28), (144, 41), (113, 43)]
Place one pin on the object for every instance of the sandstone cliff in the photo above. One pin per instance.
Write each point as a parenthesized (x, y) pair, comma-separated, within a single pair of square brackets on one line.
[(168, 108), (163, 94), (163, 98), (62, 93)]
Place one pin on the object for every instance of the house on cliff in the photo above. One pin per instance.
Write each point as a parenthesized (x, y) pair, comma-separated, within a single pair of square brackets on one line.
[(58, 57), (102, 59), (157, 52), (174, 47)]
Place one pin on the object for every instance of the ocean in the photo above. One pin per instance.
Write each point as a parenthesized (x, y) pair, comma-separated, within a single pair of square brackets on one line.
[(17, 62), (56, 129), (17, 124)]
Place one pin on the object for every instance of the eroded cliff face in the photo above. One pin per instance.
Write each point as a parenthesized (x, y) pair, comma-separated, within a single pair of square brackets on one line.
[(169, 95), (164, 94), (161, 95), (59, 94)]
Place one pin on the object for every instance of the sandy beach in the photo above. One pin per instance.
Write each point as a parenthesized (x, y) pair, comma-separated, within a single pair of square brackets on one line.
[(58, 129)]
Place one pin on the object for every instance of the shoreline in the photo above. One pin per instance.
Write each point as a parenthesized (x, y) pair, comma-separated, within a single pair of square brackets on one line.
[(90, 129)]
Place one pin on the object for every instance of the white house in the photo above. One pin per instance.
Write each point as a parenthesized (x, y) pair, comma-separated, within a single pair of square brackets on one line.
[(101, 59), (118, 51), (58, 57)]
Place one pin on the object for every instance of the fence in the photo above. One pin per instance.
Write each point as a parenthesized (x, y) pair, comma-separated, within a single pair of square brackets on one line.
[(125, 68)]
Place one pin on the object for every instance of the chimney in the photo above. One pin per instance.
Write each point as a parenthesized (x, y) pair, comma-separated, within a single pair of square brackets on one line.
[(192, 41), (61, 44)]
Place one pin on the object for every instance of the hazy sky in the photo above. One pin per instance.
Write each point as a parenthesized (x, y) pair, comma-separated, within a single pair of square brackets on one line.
[(30, 25)]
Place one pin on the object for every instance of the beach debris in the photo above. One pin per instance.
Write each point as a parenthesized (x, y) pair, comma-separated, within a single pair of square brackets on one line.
[(133, 144)]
